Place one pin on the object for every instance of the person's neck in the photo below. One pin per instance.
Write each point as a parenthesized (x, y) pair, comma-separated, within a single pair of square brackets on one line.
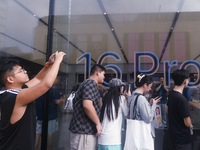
[(139, 90), (93, 78), (178, 89), (13, 87)]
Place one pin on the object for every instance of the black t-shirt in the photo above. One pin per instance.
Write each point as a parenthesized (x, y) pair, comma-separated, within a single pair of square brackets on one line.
[(178, 109), (21, 134)]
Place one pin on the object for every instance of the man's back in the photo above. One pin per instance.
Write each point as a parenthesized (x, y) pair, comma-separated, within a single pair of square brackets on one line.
[(178, 109), (85, 124), (80, 122)]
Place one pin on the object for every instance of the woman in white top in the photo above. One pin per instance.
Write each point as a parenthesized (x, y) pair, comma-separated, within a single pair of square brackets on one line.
[(114, 104)]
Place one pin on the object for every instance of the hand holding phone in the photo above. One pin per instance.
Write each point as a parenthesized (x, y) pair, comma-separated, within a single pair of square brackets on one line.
[(156, 99)]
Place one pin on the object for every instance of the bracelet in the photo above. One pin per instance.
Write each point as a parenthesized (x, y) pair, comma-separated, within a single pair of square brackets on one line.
[(47, 65)]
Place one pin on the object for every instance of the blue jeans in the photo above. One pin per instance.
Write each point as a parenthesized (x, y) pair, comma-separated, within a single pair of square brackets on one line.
[(163, 113)]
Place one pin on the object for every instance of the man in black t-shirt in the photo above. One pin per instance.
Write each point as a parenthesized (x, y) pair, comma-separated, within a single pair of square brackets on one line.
[(180, 124)]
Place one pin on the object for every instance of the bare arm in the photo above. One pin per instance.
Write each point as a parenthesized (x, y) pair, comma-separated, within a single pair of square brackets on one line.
[(194, 104), (37, 89), (91, 113), (101, 103), (158, 88), (188, 122), (42, 72), (29, 94), (166, 89)]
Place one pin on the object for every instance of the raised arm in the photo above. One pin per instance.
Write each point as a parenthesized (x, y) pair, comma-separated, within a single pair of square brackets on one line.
[(38, 78), (158, 88), (42, 83)]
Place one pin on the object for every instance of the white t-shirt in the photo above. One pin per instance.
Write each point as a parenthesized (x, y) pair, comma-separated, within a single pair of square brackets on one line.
[(111, 133)]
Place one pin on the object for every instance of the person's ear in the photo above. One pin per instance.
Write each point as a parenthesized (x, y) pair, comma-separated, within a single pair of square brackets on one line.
[(9, 79), (145, 85), (185, 82), (98, 73)]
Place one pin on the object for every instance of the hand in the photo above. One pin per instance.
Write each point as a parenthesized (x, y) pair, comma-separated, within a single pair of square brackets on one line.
[(99, 129), (59, 56), (127, 92), (156, 99), (52, 58)]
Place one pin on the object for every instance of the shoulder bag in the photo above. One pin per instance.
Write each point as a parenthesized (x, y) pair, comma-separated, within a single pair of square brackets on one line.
[(138, 133)]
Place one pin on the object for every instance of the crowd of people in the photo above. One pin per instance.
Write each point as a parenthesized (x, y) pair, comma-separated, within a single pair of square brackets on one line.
[(99, 115)]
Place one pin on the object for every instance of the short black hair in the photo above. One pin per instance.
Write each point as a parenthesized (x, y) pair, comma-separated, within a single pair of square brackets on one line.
[(179, 76), (96, 68), (142, 79), (6, 67)]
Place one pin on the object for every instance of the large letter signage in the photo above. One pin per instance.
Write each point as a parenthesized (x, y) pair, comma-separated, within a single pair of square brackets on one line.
[(167, 65)]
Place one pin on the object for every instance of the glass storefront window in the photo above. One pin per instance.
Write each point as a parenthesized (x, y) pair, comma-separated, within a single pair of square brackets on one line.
[(127, 37)]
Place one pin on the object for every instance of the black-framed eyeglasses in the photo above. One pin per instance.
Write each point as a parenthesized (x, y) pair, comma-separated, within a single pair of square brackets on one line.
[(21, 70)]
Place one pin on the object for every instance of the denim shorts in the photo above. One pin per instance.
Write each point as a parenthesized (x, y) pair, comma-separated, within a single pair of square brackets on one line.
[(52, 126)]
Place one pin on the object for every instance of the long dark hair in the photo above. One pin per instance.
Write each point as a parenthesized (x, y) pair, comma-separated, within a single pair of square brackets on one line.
[(111, 97)]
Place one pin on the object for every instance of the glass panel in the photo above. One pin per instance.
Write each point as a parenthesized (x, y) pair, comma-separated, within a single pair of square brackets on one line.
[(20, 27), (154, 37)]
